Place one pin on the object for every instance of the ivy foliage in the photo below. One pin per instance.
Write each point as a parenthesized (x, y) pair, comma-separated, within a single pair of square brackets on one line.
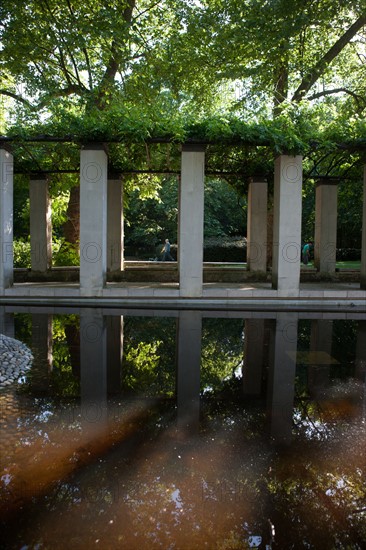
[(290, 133)]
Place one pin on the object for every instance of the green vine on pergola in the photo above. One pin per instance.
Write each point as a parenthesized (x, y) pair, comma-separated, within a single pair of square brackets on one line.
[(234, 147)]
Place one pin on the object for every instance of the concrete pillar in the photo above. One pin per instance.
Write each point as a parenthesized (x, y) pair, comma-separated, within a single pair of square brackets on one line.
[(190, 225), (254, 351), (40, 224), (363, 255), (115, 225), (257, 225), (114, 325), (325, 226), (6, 219), (93, 367), (188, 368), (93, 220), (287, 223), (281, 380)]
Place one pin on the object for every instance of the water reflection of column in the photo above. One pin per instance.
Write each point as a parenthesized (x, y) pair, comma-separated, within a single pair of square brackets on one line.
[(188, 368), (114, 326), (321, 349), (281, 382), (42, 349), (6, 323), (253, 356), (360, 371), (93, 366)]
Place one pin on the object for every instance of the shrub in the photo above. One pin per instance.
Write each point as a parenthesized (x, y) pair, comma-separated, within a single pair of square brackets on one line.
[(348, 254), (65, 253), (22, 253), (225, 249)]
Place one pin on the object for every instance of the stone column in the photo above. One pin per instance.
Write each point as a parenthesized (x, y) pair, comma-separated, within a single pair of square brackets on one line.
[(363, 255), (257, 225), (188, 368), (40, 224), (253, 356), (115, 225), (287, 223), (6, 219), (190, 226), (325, 226), (93, 220), (281, 380)]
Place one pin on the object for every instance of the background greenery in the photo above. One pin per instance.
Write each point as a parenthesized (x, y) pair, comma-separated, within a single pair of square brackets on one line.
[(251, 79)]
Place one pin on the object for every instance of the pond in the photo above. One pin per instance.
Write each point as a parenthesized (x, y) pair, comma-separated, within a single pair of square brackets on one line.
[(184, 430)]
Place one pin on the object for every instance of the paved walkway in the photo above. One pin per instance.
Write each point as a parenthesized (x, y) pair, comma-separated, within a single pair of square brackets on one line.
[(230, 295)]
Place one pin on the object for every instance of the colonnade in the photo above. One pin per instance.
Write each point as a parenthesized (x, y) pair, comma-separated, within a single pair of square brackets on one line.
[(101, 222)]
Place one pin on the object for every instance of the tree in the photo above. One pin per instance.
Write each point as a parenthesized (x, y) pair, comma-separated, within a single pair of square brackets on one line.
[(279, 51), (61, 49), (155, 217)]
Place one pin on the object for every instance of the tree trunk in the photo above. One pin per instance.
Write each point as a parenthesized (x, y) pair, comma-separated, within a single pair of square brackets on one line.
[(71, 227), (280, 80)]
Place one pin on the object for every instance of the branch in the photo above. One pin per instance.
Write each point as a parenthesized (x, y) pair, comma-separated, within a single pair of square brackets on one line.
[(17, 98), (84, 50), (327, 58), (64, 92), (68, 75), (149, 8), (90, 74), (336, 91), (114, 59), (359, 510)]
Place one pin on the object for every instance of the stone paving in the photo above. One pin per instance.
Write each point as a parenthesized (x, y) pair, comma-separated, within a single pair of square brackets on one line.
[(15, 359)]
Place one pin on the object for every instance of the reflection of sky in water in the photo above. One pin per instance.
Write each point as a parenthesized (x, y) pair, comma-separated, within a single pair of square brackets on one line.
[(6, 479), (176, 499)]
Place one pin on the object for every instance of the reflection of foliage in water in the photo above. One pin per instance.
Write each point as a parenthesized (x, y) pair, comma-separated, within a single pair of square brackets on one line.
[(320, 482), (222, 352), (23, 327), (344, 345), (64, 379), (149, 355), (60, 378), (318, 490)]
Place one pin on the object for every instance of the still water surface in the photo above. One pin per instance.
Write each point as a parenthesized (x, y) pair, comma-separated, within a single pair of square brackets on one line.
[(185, 430)]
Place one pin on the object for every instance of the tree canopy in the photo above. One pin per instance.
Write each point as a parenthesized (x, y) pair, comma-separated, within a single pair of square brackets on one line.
[(184, 68)]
